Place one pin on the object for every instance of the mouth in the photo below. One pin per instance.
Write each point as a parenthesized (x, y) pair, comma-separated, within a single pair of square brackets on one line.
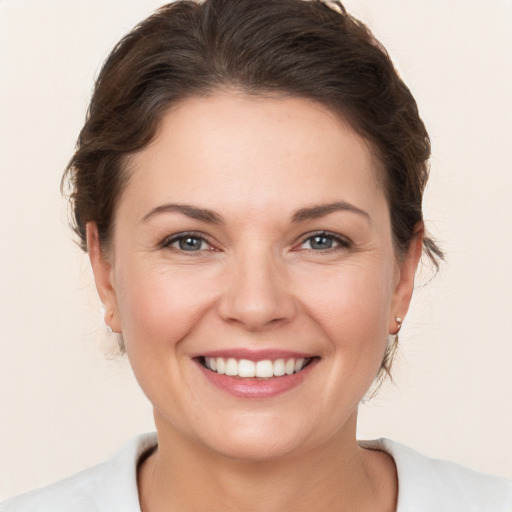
[(248, 369), (256, 375)]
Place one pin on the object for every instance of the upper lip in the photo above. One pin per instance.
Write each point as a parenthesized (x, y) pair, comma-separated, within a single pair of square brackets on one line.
[(254, 355)]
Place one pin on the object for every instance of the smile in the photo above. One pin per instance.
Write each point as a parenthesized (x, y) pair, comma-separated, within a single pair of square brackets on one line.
[(264, 369), (260, 374)]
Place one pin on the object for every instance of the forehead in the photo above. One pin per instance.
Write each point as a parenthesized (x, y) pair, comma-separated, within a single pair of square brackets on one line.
[(258, 149)]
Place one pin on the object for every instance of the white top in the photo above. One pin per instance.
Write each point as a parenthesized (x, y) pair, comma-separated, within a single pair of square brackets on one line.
[(425, 485)]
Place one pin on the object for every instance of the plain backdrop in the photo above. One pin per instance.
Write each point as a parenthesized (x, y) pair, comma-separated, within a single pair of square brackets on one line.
[(67, 403)]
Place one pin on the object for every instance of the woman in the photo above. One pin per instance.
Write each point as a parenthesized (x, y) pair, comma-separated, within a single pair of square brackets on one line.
[(248, 186)]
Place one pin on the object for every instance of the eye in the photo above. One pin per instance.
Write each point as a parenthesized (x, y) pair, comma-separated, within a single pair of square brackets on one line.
[(187, 242), (324, 242)]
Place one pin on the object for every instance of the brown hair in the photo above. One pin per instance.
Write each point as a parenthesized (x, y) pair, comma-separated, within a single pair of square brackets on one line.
[(311, 49)]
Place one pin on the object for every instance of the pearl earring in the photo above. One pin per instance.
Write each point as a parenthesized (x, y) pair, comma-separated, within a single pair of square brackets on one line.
[(398, 321)]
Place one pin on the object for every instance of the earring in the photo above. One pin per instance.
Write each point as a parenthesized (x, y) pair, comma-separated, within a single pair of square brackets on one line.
[(398, 321)]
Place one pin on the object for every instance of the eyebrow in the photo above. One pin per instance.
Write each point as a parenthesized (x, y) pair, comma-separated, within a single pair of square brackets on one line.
[(211, 217), (315, 212), (193, 212)]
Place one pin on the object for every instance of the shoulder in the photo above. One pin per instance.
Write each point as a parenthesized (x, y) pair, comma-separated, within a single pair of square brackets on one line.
[(107, 487), (430, 484)]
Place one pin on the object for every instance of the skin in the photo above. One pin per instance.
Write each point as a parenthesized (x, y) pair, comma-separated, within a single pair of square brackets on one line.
[(257, 282)]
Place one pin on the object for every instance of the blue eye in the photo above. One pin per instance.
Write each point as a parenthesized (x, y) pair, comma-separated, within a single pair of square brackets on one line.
[(187, 242), (320, 242), (324, 242), (190, 243)]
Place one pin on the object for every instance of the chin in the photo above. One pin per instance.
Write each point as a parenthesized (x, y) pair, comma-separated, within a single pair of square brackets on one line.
[(256, 445), (266, 437)]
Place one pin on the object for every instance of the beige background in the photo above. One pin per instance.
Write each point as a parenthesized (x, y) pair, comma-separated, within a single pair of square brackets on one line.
[(65, 404)]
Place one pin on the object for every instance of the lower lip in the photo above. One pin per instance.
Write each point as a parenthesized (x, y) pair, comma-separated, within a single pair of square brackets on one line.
[(257, 388)]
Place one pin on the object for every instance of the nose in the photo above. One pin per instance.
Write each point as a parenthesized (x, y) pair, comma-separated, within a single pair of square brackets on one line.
[(257, 293)]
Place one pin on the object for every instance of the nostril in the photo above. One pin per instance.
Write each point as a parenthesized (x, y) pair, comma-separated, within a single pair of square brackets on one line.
[(255, 311)]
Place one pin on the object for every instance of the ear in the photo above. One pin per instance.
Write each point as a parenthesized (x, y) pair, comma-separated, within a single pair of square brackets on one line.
[(404, 282), (103, 277)]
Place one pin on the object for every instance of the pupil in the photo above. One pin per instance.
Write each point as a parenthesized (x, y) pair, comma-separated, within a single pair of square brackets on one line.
[(321, 242), (190, 244)]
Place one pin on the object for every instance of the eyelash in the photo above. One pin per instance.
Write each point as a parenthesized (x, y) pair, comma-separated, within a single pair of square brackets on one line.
[(169, 241), (341, 242)]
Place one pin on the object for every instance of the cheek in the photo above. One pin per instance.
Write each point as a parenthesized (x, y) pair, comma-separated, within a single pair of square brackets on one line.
[(158, 307), (352, 305)]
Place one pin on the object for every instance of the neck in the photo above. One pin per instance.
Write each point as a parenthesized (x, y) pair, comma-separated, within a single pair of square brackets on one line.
[(184, 476)]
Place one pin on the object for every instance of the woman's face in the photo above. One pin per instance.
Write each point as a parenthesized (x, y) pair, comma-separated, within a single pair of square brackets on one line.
[(253, 239)]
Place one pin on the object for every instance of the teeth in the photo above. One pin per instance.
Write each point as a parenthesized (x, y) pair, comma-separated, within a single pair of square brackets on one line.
[(279, 370), (264, 369), (221, 365), (249, 369), (299, 364), (231, 367), (246, 368)]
